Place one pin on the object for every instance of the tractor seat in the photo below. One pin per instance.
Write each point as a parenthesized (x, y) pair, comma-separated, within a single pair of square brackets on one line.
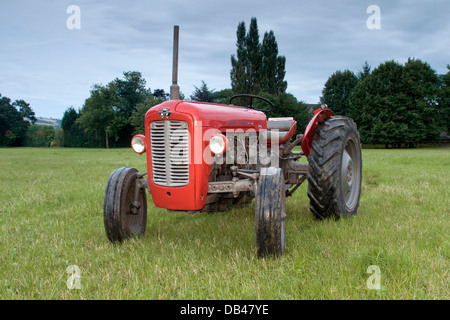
[(279, 130)]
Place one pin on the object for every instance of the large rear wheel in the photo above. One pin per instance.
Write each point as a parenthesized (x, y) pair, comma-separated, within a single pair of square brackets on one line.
[(335, 169)]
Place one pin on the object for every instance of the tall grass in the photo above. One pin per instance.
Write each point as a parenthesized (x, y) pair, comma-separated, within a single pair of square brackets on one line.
[(51, 203)]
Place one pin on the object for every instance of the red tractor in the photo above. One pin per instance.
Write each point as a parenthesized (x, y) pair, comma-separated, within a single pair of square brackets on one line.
[(209, 157)]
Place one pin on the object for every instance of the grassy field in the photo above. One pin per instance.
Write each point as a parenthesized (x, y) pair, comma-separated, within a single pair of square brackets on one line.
[(51, 203)]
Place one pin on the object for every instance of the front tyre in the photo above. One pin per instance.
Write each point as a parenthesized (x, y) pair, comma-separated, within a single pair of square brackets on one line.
[(335, 164), (123, 217), (270, 213)]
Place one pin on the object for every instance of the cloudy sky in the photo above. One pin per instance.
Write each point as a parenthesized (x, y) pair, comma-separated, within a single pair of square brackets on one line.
[(53, 67)]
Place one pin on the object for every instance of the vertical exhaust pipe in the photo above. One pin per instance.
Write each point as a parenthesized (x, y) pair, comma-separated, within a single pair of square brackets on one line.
[(175, 88)]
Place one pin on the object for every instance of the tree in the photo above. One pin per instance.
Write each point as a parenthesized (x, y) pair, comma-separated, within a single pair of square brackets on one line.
[(364, 72), (223, 96), (39, 136), (280, 83), (69, 119), (273, 66), (422, 86), (269, 63), (240, 64), (444, 100), (58, 140), (108, 110), (130, 91), (73, 134), (138, 116), (257, 67), (15, 118), (254, 57), (337, 90), (160, 94), (99, 111), (397, 104), (203, 94)]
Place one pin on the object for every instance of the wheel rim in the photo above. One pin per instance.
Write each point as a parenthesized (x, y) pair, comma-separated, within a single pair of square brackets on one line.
[(283, 219), (350, 174), (133, 218)]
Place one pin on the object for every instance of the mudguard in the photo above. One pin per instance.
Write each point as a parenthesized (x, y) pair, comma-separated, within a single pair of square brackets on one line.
[(320, 115)]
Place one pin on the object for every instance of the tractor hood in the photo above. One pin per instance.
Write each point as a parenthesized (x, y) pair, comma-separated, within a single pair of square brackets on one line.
[(203, 120), (212, 115)]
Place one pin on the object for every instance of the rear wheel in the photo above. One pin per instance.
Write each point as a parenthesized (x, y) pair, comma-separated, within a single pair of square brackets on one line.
[(123, 217), (270, 213), (335, 169)]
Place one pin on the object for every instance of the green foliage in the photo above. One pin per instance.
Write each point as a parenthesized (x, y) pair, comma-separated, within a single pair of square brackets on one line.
[(203, 94), (285, 105), (239, 63), (364, 72), (73, 134), (15, 118), (444, 100), (129, 92), (160, 94), (99, 111), (257, 66), (39, 136), (272, 67), (397, 104), (107, 112), (223, 96), (58, 140), (138, 115), (337, 91)]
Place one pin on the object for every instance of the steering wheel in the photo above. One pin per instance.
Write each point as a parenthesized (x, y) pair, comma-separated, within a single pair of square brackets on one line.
[(252, 96)]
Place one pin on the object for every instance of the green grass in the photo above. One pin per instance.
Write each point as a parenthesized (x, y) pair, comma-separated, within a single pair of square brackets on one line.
[(51, 203)]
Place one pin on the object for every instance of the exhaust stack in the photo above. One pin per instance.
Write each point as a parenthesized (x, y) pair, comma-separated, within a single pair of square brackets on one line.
[(175, 88)]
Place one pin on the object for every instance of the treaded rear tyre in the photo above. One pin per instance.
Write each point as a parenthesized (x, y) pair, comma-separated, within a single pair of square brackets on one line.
[(119, 220), (335, 170), (270, 213)]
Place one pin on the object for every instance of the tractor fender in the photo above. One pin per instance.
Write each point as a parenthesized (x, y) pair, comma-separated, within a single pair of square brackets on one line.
[(320, 115)]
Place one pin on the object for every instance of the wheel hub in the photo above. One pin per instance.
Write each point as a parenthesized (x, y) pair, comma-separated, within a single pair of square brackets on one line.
[(347, 172)]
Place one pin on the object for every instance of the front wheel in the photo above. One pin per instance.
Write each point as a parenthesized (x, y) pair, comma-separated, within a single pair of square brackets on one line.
[(335, 170), (123, 216), (270, 213)]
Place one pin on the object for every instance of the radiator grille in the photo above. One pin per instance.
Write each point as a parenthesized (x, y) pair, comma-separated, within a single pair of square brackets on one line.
[(170, 152)]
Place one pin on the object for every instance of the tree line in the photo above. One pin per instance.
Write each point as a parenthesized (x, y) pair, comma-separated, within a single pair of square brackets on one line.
[(15, 120), (395, 104), (111, 114), (115, 111)]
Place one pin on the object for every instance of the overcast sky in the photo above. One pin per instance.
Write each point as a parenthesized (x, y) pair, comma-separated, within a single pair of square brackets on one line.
[(53, 67)]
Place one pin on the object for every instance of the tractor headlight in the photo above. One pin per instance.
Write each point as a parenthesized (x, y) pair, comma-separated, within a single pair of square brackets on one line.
[(218, 144), (138, 144)]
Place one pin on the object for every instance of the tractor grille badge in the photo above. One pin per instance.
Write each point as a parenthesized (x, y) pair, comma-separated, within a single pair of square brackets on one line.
[(165, 113)]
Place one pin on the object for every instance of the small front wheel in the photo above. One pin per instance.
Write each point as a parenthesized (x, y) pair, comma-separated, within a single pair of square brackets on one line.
[(270, 213), (123, 216)]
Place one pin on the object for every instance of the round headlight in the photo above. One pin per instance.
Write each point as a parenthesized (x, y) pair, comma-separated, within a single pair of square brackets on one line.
[(218, 144), (138, 144)]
